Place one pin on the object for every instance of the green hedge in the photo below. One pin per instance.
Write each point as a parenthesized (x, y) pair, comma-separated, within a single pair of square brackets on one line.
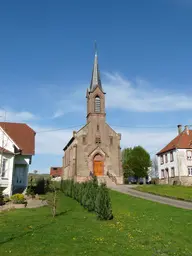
[(91, 196)]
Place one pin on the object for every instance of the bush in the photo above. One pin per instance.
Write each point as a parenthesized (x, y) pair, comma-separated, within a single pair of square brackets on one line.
[(18, 199), (90, 196), (40, 187), (103, 204), (1, 198), (30, 190)]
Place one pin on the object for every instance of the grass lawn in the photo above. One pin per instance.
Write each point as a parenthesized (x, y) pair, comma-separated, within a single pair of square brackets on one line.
[(140, 227), (178, 192)]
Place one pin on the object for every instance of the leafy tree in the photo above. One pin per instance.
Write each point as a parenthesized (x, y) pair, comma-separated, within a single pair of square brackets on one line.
[(127, 169), (136, 162), (140, 161)]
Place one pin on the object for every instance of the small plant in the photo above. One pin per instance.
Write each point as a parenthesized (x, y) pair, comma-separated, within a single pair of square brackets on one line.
[(103, 204), (18, 199), (53, 199), (6, 199)]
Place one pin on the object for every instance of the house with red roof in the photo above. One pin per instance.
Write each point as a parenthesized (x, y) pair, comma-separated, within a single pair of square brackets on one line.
[(17, 146), (175, 159)]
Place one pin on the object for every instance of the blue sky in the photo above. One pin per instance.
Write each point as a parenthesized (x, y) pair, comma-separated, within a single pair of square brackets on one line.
[(46, 58)]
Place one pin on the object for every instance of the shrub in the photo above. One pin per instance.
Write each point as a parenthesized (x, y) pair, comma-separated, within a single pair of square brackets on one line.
[(40, 187), (90, 196), (1, 198), (18, 199), (30, 190), (103, 204)]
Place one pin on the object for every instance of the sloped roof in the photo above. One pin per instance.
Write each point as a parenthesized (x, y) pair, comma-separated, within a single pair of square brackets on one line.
[(182, 141), (22, 135)]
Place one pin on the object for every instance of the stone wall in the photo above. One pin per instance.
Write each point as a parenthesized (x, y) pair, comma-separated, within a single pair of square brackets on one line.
[(185, 180)]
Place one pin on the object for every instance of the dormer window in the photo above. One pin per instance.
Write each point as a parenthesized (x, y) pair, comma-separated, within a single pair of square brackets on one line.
[(97, 104)]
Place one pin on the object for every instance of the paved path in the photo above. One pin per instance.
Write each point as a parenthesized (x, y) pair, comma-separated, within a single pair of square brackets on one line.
[(128, 189)]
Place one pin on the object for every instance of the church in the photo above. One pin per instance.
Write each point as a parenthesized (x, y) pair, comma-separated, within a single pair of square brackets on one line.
[(95, 148)]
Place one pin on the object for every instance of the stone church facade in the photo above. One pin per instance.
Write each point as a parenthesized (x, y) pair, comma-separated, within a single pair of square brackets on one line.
[(96, 146)]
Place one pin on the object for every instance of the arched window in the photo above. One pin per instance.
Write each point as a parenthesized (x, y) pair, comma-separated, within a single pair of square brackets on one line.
[(97, 104)]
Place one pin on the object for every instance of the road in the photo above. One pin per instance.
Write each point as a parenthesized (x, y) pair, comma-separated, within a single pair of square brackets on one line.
[(128, 189)]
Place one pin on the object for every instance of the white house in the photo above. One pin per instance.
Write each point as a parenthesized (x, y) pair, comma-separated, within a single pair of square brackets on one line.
[(17, 145), (175, 159)]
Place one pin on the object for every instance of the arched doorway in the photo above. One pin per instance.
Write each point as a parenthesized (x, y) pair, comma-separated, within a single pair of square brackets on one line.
[(98, 165)]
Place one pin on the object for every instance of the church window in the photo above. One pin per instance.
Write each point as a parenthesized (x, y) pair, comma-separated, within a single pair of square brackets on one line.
[(97, 127), (84, 139), (98, 140), (97, 104), (111, 140)]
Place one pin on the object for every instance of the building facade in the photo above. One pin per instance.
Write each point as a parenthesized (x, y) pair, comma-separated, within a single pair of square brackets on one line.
[(56, 172), (17, 145), (175, 160), (95, 148)]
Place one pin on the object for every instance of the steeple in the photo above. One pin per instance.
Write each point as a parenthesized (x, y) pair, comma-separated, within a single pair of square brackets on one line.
[(95, 80)]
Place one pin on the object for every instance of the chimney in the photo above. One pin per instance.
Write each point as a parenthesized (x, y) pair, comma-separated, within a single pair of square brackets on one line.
[(187, 129), (179, 126)]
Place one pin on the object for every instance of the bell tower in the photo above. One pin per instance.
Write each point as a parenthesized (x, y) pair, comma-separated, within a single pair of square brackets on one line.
[(95, 95)]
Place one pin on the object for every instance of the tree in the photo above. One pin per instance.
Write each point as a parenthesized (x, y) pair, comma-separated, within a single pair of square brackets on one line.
[(52, 200), (140, 161), (103, 203), (154, 169), (126, 155), (136, 162)]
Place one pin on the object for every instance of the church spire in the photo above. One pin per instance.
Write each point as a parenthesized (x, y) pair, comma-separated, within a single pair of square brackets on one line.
[(95, 80)]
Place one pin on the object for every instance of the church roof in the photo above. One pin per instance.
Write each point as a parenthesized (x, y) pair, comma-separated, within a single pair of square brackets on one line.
[(95, 80)]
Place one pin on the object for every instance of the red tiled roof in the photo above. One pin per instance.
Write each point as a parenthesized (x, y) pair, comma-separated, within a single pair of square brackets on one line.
[(183, 140), (4, 150), (22, 135)]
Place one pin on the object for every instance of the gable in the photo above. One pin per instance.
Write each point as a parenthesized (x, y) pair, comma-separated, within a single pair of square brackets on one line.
[(22, 135), (181, 141)]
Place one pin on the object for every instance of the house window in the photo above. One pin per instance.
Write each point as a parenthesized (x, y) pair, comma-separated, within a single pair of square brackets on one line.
[(111, 140), (162, 160), (166, 173), (97, 104), (189, 155), (190, 170), (171, 157), (4, 168), (172, 172), (98, 140), (162, 174), (84, 140), (166, 158)]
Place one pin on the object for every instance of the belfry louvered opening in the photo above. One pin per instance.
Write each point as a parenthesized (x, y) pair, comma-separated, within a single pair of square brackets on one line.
[(97, 104)]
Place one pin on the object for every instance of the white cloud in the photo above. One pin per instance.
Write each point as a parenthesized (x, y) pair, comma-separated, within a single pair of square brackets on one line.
[(140, 96), (136, 96), (51, 142), (152, 140), (13, 116)]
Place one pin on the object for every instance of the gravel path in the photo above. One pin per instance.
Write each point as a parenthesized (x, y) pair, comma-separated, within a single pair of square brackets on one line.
[(31, 203), (127, 189)]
